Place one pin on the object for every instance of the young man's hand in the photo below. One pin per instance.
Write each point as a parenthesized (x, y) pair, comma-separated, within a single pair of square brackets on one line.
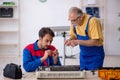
[(46, 55), (55, 55)]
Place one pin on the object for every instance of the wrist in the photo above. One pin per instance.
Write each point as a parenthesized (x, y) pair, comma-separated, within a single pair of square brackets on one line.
[(42, 59), (55, 61), (70, 39), (78, 42)]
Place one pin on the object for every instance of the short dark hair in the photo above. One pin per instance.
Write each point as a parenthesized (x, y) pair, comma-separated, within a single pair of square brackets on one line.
[(45, 30)]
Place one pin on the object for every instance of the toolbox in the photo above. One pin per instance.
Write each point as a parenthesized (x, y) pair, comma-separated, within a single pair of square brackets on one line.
[(109, 73)]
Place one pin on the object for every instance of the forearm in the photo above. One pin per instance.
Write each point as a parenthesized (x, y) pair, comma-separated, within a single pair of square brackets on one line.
[(90, 42), (31, 66), (28, 63), (72, 38), (57, 62), (42, 59)]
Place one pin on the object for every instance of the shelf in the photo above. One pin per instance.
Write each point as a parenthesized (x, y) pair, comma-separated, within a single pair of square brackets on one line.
[(94, 8), (92, 5), (8, 44), (8, 50), (8, 18), (8, 6), (8, 31), (10, 28)]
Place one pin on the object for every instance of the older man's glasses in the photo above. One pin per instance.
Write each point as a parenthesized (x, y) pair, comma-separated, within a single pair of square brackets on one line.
[(75, 19)]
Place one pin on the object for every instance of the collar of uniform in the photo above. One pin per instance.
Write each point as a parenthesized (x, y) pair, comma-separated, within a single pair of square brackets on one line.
[(37, 48)]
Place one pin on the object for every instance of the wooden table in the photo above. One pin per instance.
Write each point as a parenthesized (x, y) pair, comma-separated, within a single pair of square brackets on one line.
[(32, 76)]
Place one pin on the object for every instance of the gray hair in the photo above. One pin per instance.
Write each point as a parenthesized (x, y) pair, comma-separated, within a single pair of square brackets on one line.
[(76, 10)]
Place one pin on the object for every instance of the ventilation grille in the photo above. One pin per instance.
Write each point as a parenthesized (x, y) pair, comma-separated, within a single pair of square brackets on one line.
[(61, 74)]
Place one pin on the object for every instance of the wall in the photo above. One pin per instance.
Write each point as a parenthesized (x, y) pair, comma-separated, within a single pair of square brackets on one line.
[(112, 28), (35, 15)]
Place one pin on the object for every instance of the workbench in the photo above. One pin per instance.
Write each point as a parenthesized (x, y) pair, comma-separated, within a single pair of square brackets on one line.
[(32, 76)]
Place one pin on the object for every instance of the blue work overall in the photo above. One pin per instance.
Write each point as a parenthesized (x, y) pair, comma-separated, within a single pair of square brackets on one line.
[(91, 57)]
